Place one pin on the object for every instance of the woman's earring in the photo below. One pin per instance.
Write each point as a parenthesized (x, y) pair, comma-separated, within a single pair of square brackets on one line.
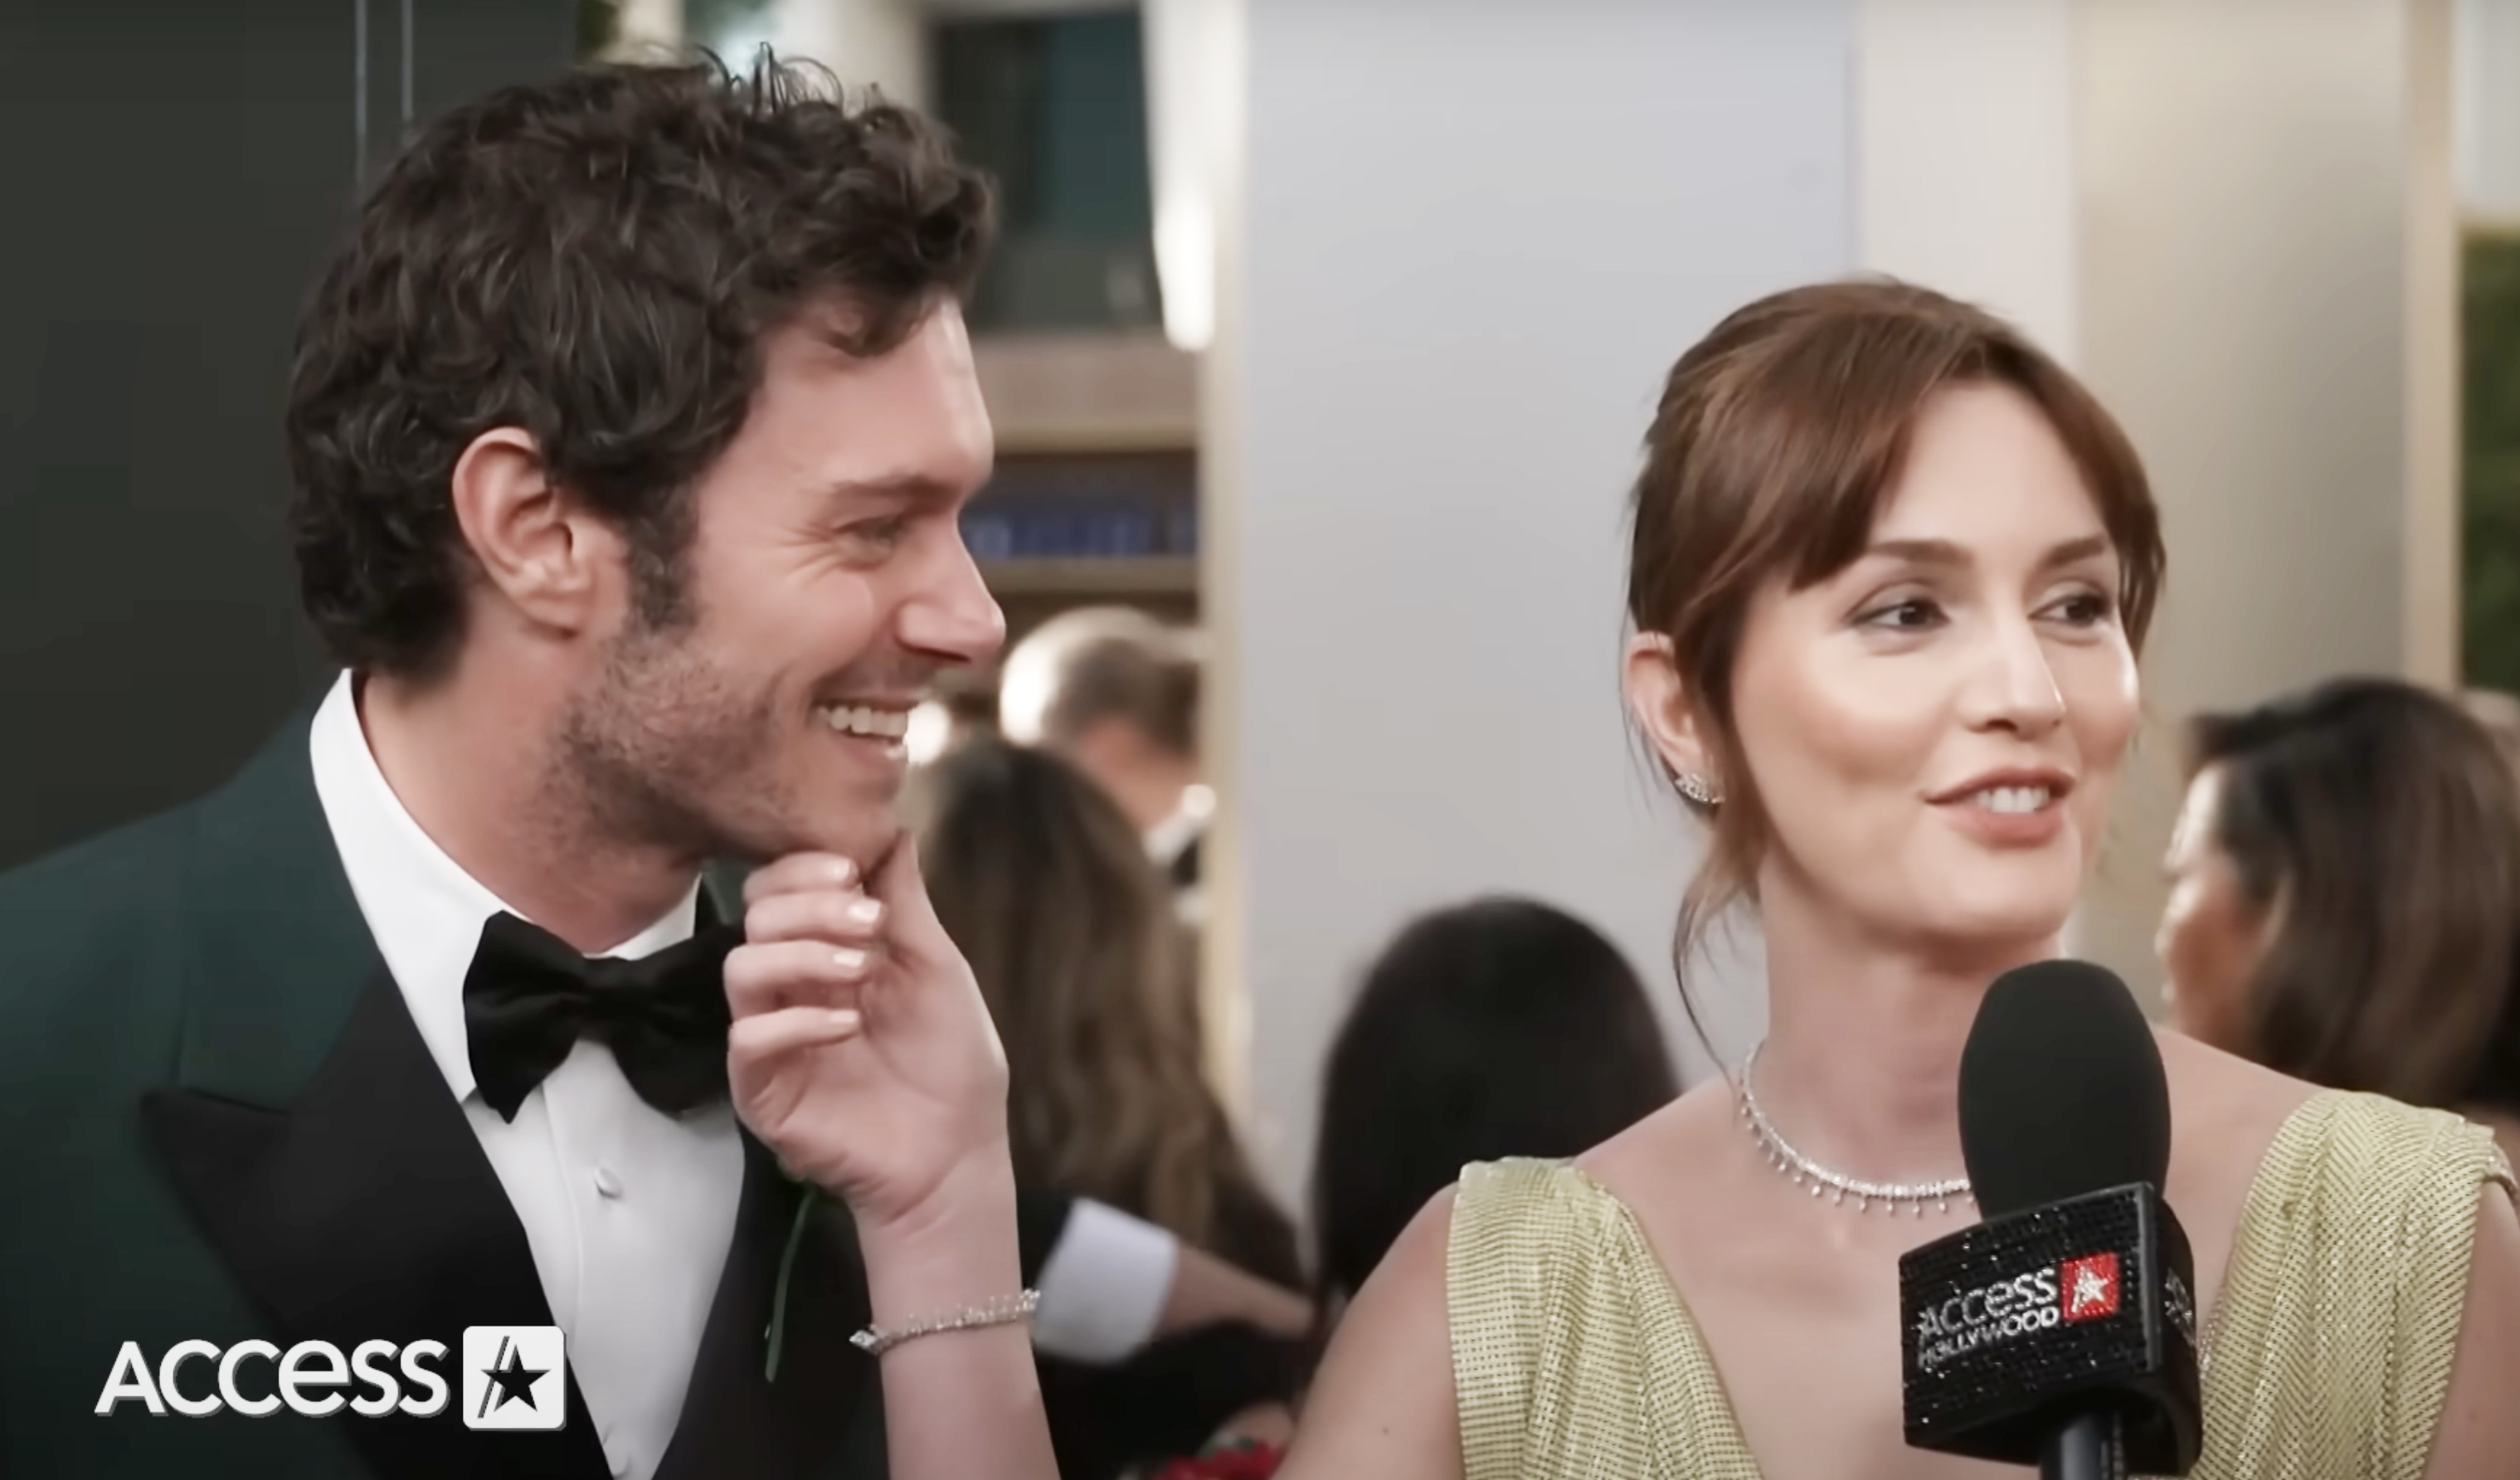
[(1698, 790)]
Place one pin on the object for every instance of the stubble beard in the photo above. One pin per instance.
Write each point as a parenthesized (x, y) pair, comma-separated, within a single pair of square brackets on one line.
[(659, 753)]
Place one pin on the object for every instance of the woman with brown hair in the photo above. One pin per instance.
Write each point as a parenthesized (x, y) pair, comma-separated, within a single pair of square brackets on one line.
[(1069, 928), (1891, 568), (2345, 896)]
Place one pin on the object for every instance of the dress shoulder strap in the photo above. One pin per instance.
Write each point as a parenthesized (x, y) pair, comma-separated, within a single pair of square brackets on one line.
[(1573, 1356), (1511, 1221), (2346, 1288)]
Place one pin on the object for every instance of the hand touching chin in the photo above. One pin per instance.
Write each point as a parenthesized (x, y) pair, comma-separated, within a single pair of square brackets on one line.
[(862, 1051)]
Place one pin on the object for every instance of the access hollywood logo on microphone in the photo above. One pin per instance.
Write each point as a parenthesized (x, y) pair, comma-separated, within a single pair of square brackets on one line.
[(512, 1378), (2076, 1290), (2091, 1286)]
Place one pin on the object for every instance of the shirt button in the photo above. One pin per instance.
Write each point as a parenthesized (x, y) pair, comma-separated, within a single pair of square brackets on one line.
[(605, 1184)]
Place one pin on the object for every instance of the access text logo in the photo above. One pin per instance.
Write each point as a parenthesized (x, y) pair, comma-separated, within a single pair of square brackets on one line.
[(512, 1378)]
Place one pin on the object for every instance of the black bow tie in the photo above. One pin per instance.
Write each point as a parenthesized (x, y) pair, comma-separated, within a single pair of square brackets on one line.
[(529, 997)]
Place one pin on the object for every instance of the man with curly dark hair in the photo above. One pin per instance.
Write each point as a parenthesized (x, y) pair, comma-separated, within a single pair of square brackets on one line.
[(630, 428)]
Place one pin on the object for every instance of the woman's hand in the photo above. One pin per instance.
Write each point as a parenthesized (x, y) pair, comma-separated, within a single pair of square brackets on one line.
[(862, 1053)]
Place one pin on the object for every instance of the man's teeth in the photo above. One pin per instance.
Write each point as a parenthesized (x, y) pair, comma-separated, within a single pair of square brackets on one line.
[(874, 723), (2011, 798)]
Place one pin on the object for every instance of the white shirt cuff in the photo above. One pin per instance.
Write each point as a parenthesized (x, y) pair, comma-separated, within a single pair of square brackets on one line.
[(1103, 1287)]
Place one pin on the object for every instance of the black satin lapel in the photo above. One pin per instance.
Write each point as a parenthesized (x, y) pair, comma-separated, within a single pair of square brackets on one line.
[(823, 1418), (365, 1212)]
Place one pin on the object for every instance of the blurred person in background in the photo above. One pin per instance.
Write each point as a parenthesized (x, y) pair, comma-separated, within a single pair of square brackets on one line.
[(1502, 1027), (2345, 896), (1114, 691), (1042, 881)]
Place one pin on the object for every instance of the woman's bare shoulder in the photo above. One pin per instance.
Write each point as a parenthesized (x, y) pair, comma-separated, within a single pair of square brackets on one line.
[(2225, 1110), (1670, 1144), (1382, 1402), (2225, 1116)]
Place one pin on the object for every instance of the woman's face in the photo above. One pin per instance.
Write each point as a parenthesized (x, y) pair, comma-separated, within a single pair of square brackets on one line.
[(2211, 937), (1935, 731)]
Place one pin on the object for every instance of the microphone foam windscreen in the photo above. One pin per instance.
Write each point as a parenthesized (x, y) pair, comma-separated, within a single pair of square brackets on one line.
[(2061, 1089)]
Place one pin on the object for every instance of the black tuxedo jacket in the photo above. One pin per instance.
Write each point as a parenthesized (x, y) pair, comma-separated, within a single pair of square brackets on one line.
[(218, 1122)]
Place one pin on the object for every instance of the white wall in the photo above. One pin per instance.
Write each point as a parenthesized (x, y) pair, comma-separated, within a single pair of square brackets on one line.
[(1964, 155), (1475, 237), (2488, 129), (869, 43), (2266, 305)]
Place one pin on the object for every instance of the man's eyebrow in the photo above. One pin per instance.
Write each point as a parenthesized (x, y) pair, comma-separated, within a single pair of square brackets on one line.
[(906, 485)]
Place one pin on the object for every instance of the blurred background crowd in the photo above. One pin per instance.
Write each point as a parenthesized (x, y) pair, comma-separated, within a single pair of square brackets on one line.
[(1296, 839)]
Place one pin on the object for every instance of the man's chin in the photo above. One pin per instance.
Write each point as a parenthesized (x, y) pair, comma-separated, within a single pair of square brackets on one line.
[(865, 840)]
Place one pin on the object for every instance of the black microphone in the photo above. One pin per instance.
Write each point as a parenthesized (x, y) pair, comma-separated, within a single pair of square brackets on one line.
[(2060, 1331)]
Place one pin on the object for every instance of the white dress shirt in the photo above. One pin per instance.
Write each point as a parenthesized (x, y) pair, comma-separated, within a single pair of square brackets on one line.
[(630, 1212), (1167, 841)]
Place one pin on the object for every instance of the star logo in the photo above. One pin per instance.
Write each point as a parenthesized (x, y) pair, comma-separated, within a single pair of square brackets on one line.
[(513, 1380), (2090, 1287), (505, 1372)]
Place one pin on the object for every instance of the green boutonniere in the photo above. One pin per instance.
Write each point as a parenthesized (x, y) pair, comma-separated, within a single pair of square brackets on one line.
[(806, 1196)]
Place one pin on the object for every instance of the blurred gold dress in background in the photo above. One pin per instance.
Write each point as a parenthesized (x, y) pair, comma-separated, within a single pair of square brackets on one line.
[(2326, 1357)]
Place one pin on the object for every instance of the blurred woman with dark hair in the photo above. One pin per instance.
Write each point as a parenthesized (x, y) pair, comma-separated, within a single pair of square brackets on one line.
[(1069, 928), (2345, 904), (1502, 1027)]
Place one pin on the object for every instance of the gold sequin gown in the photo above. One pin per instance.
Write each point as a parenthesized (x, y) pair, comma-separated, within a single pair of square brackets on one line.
[(2326, 1357)]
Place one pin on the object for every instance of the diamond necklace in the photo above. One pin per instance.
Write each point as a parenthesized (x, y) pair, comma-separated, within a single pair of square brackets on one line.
[(1805, 1172)]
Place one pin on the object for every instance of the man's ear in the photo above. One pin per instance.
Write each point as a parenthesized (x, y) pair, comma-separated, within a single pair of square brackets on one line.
[(1659, 698), (546, 556)]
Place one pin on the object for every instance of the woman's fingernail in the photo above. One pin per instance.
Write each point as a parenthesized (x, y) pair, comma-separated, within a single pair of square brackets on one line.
[(866, 911), (849, 959), (844, 1020)]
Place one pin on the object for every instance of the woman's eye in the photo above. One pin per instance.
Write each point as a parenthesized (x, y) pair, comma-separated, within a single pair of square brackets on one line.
[(1914, 614), (2087, 608)]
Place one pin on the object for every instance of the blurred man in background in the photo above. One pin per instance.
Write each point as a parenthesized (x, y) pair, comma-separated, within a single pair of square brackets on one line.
[(1114, 691)]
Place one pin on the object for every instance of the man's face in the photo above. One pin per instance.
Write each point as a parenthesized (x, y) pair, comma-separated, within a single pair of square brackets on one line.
[(825, 585)]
